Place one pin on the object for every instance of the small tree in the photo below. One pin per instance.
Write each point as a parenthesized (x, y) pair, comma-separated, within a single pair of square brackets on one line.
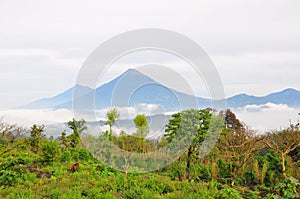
[(36, 134), (78, 127), (64, 139), (111, 116), (141, 123), (9, 135), (283, 142)]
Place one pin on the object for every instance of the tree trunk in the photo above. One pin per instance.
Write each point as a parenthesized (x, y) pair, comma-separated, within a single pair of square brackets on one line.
[(179, 176), (232, 182), (126, 168), (283, 165), (235, 174), (126, 174), (110, 133), (188, 164)]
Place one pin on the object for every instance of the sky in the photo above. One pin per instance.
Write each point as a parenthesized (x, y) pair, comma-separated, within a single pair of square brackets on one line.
[(254, 44)]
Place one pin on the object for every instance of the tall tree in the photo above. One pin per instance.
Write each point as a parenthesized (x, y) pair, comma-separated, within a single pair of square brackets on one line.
[(237, 144), (112, 115), (187, 124), (238, 147), (284, 142)]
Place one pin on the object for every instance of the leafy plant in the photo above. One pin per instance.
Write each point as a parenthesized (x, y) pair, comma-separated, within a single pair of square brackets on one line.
[(288, 188), (50, 150), (228, 193), (11, 170)]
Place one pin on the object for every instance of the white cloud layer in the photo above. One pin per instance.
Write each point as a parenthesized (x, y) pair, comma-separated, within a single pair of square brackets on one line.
[(260, 117), (268, 116), (28, 117), (131, 111)]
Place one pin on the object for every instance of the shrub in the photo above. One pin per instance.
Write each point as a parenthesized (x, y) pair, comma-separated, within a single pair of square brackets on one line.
[(65, 156), (288, 188), (50, 151), (253, 195), (228, 193), (84, 154), (11, 170)]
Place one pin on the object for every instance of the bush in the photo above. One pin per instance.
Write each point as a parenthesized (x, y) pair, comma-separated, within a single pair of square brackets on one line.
[(84, 154), (11, 170), (50, 151), (288, 188), (253, 195), (65, 156), (228, 193)]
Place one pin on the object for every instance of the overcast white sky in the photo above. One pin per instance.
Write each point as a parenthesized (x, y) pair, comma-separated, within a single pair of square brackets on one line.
[(254, 44)]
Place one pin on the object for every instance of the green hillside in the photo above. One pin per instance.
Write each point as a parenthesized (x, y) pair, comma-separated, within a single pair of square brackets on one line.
[(240, 165)]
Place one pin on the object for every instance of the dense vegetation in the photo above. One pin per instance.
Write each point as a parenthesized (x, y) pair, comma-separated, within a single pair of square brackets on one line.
[(241, 164)]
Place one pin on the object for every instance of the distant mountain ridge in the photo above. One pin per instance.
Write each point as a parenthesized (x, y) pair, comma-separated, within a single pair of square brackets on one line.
[(290, 97), (148, 91)]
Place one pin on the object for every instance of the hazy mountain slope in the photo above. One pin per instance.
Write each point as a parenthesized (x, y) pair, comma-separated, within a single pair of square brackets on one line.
[(133, 88)]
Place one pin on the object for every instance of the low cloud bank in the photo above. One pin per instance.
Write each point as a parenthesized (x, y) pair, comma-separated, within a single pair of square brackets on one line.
[(259, 117), (268, 116), (29, 117)]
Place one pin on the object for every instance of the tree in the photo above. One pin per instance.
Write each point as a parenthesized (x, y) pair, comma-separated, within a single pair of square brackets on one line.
[(9, 135), (237, 144), (238, 148), (231, 121), (111, 116), (141, 123), (78, 127), (64, 139), (36, 133), (284, 142), (186, 124)]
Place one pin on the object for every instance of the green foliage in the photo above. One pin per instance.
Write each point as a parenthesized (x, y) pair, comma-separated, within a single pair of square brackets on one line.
[(112, 115), (141, 123), (78, 127), (272, 196), (36, 167), (228, 193), (84, 154), (189, 127), (65, 156), (188, 123), (288, 188), (36, 133), (253, 195), (272, 159), (12, 169), (50, 150)]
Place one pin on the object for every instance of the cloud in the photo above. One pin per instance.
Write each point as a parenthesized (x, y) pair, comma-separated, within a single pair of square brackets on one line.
[(263, 118), (130, 112), (28, 117), (268, 116), (267, 107)]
